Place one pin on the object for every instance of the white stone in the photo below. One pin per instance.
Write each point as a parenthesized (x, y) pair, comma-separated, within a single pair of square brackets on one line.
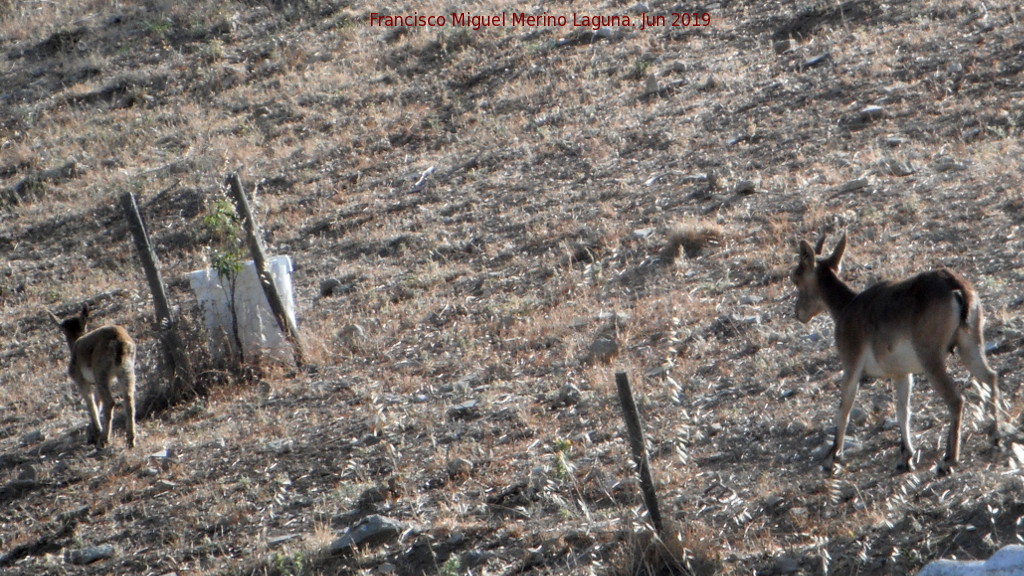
[(1008, 561)]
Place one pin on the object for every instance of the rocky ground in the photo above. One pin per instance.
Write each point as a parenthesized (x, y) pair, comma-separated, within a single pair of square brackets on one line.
[(505, 218)]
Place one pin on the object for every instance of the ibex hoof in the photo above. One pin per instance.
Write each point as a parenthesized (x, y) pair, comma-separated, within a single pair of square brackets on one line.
[(906, 463), (944, 468), (904, 467), (995, 438), (831, 465)]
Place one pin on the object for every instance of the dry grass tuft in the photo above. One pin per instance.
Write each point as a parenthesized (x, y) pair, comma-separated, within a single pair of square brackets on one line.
[(680, 554), (691, 239)]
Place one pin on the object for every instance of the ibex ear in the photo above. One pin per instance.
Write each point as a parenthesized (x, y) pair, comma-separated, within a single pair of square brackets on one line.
[(835, 261), (85, 312), (56, 320), (807, 254), (819, 245)]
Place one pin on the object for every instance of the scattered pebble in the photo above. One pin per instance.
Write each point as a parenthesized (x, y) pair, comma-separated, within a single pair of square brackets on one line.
[(89, 555), (460, 468), (371, 531)]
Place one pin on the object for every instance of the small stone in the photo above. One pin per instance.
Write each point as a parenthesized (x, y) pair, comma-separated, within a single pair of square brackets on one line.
[(870, 113), (947, 165), (460, 468), (659, 372), (465, 411), (162, 454), (569, 395), (744, 187), (275, 541), (351, 334), (858, 415), (279, 446), (33, 437), (819, 453), (603, 350), (899, 168), (817, 60), (1007, 560), (854, 185), (783, 46), (371, 531), (28, 473), (786, 565), (475, 558), (328, 285), (651, 85), (89, 555)]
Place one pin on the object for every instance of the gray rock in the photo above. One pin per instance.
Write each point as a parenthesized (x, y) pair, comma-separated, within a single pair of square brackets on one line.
[(854, 185), (33, 437), (467, 410), (786, 565), (1008, 561), (603, 350), (275, 541), (460, 468), (871, 113), (569, 395), (651, 85), (858, 415), (28, 473), (850, 443), (372, 530), (89, 555), (280, 446), (328, 286), (817, 60), (744, 187), (351, 334), (783, 46)]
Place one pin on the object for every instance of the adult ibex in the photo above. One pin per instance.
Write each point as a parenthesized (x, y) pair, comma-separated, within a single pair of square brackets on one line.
[(893, 330)]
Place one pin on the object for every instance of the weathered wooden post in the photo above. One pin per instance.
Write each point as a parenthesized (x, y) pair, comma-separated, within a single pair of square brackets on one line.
[(639, 448), (181, 369), (259, 258)]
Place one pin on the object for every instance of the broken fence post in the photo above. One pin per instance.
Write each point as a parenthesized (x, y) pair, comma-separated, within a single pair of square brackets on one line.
[(259, 257), (181, 367), (639, 448)]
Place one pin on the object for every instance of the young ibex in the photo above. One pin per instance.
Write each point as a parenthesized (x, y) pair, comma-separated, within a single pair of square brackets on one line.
[(97, 359), (896, 329)]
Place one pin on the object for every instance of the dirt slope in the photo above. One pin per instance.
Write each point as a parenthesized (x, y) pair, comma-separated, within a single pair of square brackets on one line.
[(498, 207)]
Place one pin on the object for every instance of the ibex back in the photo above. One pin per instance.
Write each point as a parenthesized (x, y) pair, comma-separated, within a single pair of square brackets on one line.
[(893, 330), (98, 359)]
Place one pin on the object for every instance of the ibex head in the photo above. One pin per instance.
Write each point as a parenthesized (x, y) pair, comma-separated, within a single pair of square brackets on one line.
[(809, 299)]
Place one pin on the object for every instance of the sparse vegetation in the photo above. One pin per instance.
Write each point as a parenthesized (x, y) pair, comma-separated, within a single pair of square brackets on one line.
[(226, 255), (493, 203)]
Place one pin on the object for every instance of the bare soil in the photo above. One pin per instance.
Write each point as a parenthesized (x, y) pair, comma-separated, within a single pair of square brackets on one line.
[(512, 215)]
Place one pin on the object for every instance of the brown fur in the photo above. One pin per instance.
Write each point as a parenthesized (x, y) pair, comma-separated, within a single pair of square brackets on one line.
[(98, 359), (894, 329)]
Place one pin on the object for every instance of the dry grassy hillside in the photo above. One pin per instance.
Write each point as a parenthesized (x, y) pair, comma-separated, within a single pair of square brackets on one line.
[(590, 202)]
